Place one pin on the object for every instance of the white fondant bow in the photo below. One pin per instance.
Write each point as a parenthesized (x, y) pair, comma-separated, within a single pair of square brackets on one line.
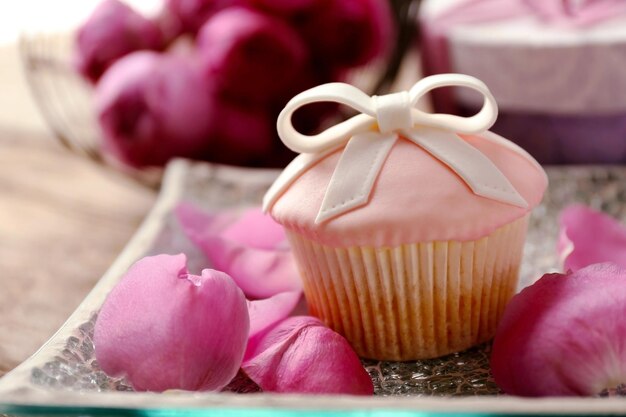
[(369, 137)]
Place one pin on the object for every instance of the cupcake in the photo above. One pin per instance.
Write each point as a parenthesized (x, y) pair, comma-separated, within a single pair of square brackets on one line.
[(407, 227)]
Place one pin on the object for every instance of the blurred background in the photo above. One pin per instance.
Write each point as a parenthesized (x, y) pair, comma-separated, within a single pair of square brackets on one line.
[(17, 108), (134, 84)]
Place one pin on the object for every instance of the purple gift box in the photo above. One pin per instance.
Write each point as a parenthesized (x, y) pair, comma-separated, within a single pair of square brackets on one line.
[(556, 67)]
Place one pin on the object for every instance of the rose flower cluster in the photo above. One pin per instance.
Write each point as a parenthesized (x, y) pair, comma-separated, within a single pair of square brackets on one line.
[(206, 79)]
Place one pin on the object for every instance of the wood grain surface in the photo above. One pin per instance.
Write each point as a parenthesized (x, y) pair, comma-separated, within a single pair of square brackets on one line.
[(63, 220)]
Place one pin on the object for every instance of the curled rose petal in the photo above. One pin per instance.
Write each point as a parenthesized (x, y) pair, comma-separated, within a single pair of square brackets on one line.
[(112, 31), (164, 328), (259, 261), (269, 311), (301, 355), (564, 335), (588, 237)]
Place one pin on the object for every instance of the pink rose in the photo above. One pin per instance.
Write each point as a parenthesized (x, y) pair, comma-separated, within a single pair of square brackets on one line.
[(152, 107), (249, 54), (341, 33), (112, 31)]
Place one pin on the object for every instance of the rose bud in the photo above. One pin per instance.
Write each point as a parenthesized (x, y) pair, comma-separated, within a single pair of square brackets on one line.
[(164, 328), (564, 335), (112, 31), (192, 14), (301, 355), (344, 33), (152, 107), (250, 55)]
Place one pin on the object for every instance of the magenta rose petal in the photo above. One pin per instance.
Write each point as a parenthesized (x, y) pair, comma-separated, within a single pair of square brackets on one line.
[(564, 335), (163, 328), (260, 273), (112, 31), (260, 269), (588, 236), (301, 355), (267, 312), (256, 229), (197, 223)]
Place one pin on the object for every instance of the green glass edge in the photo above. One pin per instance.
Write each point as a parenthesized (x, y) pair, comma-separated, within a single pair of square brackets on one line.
[(32, 410)]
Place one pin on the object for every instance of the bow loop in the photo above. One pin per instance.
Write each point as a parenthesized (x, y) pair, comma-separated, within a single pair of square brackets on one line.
[(477, 123), (368, 138), (332, 92)]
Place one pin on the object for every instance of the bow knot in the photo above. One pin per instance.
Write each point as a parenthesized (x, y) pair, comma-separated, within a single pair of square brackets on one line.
[(393, 111), (368, 138)]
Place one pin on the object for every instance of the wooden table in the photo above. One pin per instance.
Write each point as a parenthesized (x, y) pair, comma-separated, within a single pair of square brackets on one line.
[(63, 220)]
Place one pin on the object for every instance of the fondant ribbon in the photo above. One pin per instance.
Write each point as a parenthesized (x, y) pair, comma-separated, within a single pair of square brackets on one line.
[(369, 137)]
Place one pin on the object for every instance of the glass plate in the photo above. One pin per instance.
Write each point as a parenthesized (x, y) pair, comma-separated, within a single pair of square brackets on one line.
[(63, 377)]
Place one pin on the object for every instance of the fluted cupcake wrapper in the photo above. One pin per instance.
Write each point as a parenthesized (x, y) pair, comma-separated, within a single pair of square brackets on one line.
[(412, 301)]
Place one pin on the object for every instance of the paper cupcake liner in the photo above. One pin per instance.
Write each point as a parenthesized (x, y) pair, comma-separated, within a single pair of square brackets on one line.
[(413, 301)]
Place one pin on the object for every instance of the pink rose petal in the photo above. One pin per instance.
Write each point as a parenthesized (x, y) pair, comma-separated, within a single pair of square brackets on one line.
[(259, 273), (256, 229), (267, 312), (258, 261), (588, 236), (301, 355), (197, 223), (164, 328), (564, 335)]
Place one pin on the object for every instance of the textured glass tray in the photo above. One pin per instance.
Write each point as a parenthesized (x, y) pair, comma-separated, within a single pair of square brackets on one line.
[(63, 377)]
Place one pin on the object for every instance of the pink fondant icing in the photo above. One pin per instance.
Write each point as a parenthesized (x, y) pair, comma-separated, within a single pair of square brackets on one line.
[(416, 198)]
